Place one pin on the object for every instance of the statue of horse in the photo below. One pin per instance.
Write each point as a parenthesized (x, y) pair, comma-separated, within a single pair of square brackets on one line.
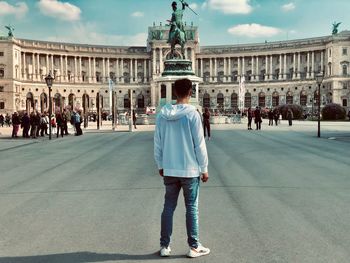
[(177, 37)]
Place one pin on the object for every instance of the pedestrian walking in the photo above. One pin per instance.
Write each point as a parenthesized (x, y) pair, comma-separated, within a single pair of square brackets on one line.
[(34, 124), (43, 124), (276, 117), (258, 120), (270, 116), (77, 122), (59, 123), (53, 124), (250, 118), (66, 117), (290, 117), (134, 118), (16, 122), (181, 155), (2, 120), (8, 120), (25, 124), (206, 123)]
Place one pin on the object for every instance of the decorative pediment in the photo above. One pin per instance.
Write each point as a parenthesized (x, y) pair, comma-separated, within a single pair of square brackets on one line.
[(344, 62)]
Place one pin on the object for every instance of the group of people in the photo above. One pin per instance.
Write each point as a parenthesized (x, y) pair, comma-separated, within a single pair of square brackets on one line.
[(5, 120), (37, 124)]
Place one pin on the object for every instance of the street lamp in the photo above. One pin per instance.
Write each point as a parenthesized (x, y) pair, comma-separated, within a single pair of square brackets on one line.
[(49, 80), (319, 79)]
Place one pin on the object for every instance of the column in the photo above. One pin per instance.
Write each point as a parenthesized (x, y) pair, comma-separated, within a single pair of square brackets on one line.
[(80, 70), (47, 64), (33, 66), (298, 73), (75, 69), (61, 68), (243, 66), (122, 70), (253, 69), (24, 66), (271, 73), (144, 71), (103, 70), (285, 67), (280, 73), (94, 70), (131, 71), (322, 62), (312, 64), (38, 76), (294, 66), (149, 70), (161, 64), (154, 72), (215, 70), (117, 70), (229, 70), (257, 68), (308, 65), (136, 78), (225, 71), (66, 68), (108, 68), (266, 68), (201, 68), (194, 66), (52, 64), (210, 69), (90, 71), (239, 67)]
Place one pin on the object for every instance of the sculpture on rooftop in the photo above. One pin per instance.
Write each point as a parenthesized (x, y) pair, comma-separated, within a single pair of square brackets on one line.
[(10, 29), (335, 28)]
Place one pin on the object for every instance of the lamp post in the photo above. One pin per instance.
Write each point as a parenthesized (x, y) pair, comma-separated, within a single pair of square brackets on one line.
[(49, 80), (319, 79)]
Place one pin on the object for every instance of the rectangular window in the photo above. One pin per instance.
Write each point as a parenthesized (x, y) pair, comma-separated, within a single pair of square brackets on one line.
[(2, 105), (345, 102), (2, 73), (1, 54), (1, 89), (345, 51)]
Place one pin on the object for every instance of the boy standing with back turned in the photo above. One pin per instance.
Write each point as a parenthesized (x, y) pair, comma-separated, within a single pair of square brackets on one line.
[(181, 155)]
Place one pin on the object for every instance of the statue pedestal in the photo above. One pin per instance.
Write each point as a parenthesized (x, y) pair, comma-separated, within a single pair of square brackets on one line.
[(175, 69)]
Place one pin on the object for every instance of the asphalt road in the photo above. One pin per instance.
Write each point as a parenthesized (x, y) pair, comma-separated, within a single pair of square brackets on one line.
[(272, 196)]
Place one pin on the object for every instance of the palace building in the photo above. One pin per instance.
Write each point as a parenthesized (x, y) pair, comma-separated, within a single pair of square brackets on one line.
[(275, 73)]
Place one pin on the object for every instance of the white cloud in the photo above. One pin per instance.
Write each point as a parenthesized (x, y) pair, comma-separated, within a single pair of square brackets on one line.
[(89, 34), (60, 10), (288, 7), (230, 6), (19, 10), (194, 6), (137, 14), (253, 30)]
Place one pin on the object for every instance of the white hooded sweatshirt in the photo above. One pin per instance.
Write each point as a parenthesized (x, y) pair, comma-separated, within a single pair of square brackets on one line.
[(179, 145)]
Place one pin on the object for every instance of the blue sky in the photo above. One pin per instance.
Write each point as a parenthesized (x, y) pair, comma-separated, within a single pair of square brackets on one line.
[(125, 22)]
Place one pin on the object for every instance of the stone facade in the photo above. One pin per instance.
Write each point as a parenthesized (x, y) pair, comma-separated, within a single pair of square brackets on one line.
[(275, 73)]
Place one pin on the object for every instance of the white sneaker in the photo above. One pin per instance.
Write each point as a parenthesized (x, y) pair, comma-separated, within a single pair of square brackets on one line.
[(197, 252), (165, 251)]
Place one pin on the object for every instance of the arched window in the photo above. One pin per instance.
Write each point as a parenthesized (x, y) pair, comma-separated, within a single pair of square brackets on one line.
[(303, 98), (71, 100), (29, 102), (262, 99), (275, 99), (248, 100), (289, 97), (43, 102), (163, 91), (86, 102), (206, 100), (126, 101), (234, 101), (345, 70), (57, 102), (140, 101), (220, 100)]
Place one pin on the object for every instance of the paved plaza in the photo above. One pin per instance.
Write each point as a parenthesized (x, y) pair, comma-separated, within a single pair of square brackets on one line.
[(276, 195)]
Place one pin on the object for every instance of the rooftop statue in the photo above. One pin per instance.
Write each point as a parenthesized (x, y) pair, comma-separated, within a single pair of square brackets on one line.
[(10, 29), (335, 28)]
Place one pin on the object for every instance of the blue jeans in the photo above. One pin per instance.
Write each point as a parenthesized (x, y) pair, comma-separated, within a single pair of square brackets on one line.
[(190, 187)]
